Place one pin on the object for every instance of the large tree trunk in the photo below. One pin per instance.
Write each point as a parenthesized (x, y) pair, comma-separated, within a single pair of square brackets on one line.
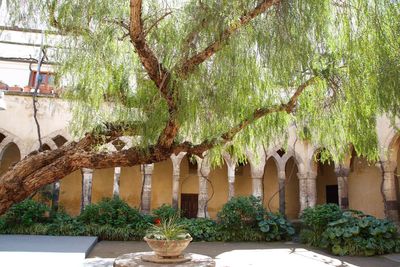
[(37, 170)]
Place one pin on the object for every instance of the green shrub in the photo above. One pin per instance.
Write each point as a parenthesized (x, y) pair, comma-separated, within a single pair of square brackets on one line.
[(358, 234), (237, 221), (275, 227), (113, 212), (316, 221), (201, 229), (26, 213), (166, 212), (63, 224)]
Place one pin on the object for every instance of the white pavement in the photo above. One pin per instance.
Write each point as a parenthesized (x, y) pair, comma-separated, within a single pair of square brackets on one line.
[(44, 251)]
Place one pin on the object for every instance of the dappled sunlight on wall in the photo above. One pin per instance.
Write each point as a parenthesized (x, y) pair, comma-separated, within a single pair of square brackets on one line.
[(271, 188), (161, 184), (364, 188), (71, 193), (292, 190)]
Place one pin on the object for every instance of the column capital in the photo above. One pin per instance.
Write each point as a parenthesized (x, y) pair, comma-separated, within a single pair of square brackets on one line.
[(302, 175), (341, 171), (203, 166), (388, 166), (87, 171), (147, 168), (282, 175)]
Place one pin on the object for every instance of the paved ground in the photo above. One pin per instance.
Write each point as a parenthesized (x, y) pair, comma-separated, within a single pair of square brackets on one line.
[(246, 254), (43, 251)]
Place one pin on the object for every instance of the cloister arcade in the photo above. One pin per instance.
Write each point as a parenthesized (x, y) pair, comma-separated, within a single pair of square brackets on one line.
[(287, 178)]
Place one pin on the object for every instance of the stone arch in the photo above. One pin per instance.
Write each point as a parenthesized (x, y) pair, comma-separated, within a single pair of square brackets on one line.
[(9, 155), (289, 152), (11, 138)]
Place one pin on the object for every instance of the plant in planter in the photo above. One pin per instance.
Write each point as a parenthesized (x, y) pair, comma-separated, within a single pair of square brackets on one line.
[(168, 239)]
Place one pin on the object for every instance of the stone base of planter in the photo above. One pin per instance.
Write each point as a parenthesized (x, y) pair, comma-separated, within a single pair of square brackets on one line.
[(136, 259), (157, 259)]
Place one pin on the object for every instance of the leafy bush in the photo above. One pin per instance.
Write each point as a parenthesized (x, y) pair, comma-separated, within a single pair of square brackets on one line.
[(201, 229), (113, 212), (358, 234), (244, 219), (165, 212), (275, 227), (63, 224), (316, 221), (26, 213)]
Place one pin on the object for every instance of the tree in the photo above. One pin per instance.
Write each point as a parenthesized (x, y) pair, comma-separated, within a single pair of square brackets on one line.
[(198, 75)]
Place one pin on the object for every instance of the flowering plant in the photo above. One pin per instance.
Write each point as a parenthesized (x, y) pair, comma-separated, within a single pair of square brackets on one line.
[(169, 229)]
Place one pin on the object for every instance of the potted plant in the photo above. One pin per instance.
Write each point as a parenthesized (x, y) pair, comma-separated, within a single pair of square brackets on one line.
[(168, 238)]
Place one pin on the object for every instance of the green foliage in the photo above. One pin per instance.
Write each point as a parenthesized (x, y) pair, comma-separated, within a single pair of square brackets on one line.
[(358, 234), (244, 219), (63, 224), (352, 48), (275, 227), (201, 229), (165, 212), (316, 220), (349, 232), (113, 212), (170, 229), (26, 213)]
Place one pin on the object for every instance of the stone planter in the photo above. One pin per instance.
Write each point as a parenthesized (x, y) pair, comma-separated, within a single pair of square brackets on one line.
[(168, 248)]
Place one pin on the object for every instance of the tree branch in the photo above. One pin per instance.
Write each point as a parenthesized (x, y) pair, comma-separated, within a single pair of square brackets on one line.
[(257, 114), (189, 65)]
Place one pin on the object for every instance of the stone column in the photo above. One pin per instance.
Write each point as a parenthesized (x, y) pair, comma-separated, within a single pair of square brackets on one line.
[(147, 173), (117, 175), (176, 170), (312, 189), (342, 175), (389, 191), (55, 196), (302, 191), (282, 201), (231, 165), (87, 178), (203, 171), (257, 165)]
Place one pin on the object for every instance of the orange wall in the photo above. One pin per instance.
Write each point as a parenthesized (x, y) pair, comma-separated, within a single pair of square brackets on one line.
[(103, 180), (292, 190), (71, 192), (130, 185), (326, 176), (364, 188), (271, 186), (161, 184)]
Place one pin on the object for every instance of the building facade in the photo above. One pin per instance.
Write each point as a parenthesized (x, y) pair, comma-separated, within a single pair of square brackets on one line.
[(286, 179)]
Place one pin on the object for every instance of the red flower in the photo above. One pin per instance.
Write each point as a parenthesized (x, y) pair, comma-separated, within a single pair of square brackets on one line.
[(157, 221)]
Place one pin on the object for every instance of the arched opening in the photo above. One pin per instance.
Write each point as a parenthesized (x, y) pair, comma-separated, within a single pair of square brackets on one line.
[(271, 185), (292, 189), (59, 140), (9, 156), (327, 185), (45, 147), (2, 136)]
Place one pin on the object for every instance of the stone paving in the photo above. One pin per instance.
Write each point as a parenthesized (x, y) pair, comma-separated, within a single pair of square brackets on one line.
[(245, 254)]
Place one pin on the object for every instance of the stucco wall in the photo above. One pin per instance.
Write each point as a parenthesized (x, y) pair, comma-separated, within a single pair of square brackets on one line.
[(364, 188), (292, 190), (271, 187), (326, 176), (71, 193)]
